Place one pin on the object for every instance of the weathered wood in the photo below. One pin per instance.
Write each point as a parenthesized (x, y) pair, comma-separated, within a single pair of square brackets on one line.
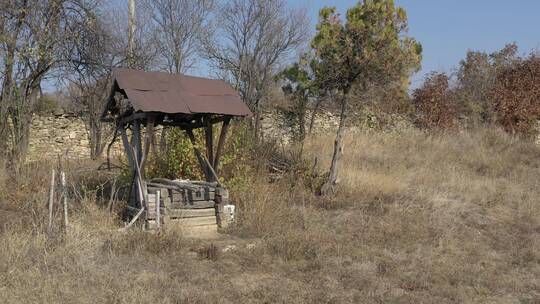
[(152, 214), (139, 183), (209, 139), (51, 200), (148, 139), (167, 183), (136, 140), (133, 220), (193, 205), (64, 197), (188, 222), (203, 164), (127, 146), (158, 211), (186, 213), (202, 194), (221, 143)]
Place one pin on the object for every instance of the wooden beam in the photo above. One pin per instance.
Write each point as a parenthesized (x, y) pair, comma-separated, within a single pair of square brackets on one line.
[(127, 146), (136, 139), (221, 142), (209, 139), (148, 139), (208, 171), (198, 153)]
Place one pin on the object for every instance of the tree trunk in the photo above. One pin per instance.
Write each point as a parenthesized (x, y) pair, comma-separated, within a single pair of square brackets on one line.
[(313, 115), (330, 184)]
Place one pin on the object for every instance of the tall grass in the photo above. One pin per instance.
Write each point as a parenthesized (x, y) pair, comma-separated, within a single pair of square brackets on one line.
[(418, 218)]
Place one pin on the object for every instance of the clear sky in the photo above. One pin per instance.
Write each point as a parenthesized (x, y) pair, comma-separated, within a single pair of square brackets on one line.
[(448, 28)]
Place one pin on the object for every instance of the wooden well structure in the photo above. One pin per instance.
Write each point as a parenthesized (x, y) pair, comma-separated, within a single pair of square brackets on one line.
[(140, 100)]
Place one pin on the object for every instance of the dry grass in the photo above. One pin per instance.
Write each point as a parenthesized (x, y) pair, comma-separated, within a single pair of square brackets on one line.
[(418, 218)]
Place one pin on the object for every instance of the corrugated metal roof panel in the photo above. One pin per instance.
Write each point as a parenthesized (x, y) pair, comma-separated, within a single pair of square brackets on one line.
[(174, 93)]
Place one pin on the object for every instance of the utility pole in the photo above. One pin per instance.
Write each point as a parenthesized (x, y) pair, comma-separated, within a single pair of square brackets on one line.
[(131, 34)]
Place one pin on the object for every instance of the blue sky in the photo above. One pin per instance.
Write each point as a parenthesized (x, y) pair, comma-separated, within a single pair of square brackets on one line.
[(448, 28)]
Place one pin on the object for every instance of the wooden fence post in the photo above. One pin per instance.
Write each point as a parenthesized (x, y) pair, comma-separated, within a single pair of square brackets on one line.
[(158, 210), (64, 196), (51, 201)]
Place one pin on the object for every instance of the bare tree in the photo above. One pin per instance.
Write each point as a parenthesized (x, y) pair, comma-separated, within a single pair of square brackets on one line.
[(178, 27), (37, 35), (252, 38), (89, 76)]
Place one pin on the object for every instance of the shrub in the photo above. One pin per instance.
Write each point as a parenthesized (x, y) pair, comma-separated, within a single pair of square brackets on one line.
[(433, 103), (176, 158), (517, 96)]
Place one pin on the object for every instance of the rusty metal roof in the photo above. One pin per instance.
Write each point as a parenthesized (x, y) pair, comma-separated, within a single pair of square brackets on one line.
[(176, 93)]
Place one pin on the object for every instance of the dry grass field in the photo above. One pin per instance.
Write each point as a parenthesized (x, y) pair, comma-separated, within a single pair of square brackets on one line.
[(418, 218)]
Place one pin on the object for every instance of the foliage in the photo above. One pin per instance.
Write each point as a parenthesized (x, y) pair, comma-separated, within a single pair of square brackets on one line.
[(433, 103), (517, 96), (176, 158), (371, 47), (475, 81), (298, 88)]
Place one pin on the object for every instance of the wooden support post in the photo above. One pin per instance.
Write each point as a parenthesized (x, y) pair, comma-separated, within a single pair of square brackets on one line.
[(125, 142), (148, 139), (221, 142), (51, 200), (198, 153), (209, 172), (64, 198), (131, 159), (136, 139), (209, 139), (141, 189)]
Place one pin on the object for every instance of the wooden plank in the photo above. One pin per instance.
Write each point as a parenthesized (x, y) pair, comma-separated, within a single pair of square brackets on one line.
[(190, 221), (188, 213), (221, 143), (193, 205)]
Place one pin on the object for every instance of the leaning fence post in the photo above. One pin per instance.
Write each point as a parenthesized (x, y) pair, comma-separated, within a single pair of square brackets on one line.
[(51, 201), (64, 195), (158, 210)]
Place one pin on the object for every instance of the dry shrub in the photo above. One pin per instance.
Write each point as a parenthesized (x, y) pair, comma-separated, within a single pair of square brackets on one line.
[(517, 96), (423, 218), (434, 105), (441, 214)]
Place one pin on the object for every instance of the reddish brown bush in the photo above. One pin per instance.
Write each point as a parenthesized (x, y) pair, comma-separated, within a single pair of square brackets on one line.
[(434, 104), (517, 96)]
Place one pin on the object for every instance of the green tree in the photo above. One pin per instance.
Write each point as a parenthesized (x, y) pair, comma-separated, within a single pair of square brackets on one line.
[(298, 88), (370, 47)]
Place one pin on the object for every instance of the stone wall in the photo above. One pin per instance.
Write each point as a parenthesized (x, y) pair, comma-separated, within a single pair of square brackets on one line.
[(66, 134), (55, 135)]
